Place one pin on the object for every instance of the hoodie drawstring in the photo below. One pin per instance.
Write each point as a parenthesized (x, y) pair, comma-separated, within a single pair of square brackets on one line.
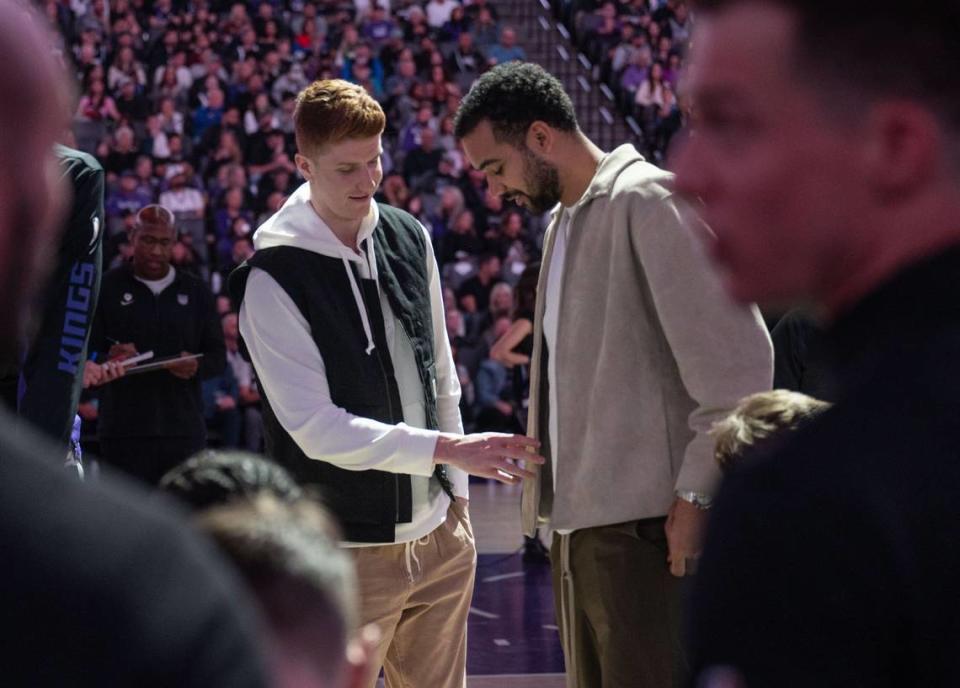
[(360, 305)]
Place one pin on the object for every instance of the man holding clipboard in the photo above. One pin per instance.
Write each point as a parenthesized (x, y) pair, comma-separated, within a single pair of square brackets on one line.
[(152, 421)]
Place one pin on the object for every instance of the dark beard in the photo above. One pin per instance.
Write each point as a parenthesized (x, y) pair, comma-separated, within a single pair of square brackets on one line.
[(543, 180)]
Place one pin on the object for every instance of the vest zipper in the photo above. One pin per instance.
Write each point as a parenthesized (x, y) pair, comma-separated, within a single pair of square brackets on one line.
[(386, 384)]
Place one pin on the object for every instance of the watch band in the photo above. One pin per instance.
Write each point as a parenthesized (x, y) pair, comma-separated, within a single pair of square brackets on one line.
[(698, 499)]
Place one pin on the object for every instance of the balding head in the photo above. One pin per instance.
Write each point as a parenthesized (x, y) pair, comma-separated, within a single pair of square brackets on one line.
[(32, 198)]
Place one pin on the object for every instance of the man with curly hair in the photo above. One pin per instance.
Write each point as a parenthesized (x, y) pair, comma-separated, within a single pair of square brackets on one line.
[(636, 353)]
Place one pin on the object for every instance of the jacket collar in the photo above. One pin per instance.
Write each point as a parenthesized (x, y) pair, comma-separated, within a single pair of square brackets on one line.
[(610, 167), (915, 305)]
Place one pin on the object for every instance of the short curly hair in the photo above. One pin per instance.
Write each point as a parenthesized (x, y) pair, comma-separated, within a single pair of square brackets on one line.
[(511, 97)]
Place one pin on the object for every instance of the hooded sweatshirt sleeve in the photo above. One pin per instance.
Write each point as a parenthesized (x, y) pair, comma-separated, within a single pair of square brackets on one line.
[(292, 373)]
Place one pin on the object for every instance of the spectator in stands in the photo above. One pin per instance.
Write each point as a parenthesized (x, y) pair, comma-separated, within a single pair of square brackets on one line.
[(377, 28), (476, 8), (466, 61), (248, 394), (123, 152), (221, 402), (458, 23), (153, 421), (496, 405), (680, 26), (486, 30), (96, 105), (439, 12), (507, 49), (131, 103), (650, 95), (483, 326), (126, 198), (422, 164), (474, 294), (126, 67), (182, 198), (171, 119), (209, 114)]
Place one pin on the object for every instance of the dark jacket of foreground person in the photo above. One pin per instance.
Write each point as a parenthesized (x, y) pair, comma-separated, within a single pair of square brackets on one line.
[(102, 588), (836, 561)]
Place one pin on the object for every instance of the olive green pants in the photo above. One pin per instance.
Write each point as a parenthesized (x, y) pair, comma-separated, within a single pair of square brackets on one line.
[(618, 606)]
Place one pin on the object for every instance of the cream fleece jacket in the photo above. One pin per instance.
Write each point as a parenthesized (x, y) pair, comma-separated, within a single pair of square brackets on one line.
[(651, 351)]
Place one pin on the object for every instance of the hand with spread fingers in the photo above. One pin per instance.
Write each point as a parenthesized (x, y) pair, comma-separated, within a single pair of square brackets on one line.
[(490, 455)]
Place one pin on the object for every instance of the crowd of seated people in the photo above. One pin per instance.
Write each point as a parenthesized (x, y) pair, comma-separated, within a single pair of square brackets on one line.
[(638, 47)]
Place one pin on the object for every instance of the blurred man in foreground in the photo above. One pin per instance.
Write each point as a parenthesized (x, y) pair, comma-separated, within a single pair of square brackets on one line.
[(100, 589), (826, 149)]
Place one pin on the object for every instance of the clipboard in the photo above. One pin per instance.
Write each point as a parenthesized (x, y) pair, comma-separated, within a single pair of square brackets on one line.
[(159, 364)]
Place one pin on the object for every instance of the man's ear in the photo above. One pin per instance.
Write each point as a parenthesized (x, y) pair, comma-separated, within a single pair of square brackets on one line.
[(904, 146), (541, 138), (304, 166)]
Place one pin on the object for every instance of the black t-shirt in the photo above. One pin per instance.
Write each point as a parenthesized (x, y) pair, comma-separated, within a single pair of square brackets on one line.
[(480, 292)]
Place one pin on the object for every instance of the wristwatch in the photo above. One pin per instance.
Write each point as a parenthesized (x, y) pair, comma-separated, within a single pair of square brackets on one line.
[(698, 499)]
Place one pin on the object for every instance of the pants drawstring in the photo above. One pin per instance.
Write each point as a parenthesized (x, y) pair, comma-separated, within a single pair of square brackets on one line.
[(410, 555), (566, 611)]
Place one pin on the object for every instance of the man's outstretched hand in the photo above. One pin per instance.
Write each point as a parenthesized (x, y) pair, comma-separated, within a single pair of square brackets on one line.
[(490, 455)]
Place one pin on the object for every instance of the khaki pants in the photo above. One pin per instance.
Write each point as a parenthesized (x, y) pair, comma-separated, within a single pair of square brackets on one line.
[(419, 595), (618, 606)]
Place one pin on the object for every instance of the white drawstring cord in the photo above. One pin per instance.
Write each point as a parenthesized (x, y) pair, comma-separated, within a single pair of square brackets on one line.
[(359, 301), (410, 555)]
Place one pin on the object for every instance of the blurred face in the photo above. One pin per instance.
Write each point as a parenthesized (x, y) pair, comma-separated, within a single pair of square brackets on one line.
[(512, 173), (501, 300), (153, 250), (343, 177), (230, 328), (426, 139), (491, 268), (778, 177)]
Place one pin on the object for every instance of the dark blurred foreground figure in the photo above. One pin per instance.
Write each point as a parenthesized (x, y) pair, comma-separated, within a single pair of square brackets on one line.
[(98, 589), (829, 166), (305, 583), (285, 546), (214, 478)]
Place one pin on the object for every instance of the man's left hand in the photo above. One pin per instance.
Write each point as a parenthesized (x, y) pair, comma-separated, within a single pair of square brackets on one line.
[(184, 369), (685, 525)]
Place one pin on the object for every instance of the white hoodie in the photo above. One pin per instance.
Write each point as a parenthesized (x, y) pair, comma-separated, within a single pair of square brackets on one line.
[(292, 373)]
